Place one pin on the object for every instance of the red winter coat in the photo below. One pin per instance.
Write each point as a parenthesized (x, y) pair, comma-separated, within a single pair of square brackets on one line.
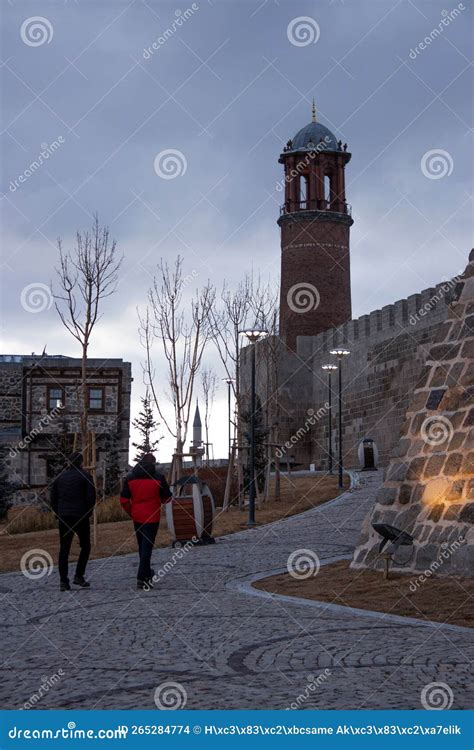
[(143, 492)]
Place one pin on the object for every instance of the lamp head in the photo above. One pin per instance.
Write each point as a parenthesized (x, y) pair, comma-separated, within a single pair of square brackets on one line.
[(340, 353), (254, 334), (329, 368)]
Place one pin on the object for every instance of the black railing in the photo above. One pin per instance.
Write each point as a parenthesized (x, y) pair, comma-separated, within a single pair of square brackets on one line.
[(292, 207)]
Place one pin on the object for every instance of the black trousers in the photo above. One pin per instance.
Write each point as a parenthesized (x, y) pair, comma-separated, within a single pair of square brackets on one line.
[(69, 526), (146, 535)]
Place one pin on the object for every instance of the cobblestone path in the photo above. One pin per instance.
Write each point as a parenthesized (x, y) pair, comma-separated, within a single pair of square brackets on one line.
[(113, 646)]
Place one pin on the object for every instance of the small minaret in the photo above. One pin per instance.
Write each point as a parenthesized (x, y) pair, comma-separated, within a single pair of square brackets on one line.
[(197, 429)]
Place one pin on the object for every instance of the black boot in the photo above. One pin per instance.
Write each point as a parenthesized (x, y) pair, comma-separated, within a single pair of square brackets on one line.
[(64, 586), (81, 581)]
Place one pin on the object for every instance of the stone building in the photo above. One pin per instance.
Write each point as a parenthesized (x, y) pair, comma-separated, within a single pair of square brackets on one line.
[(387, 346), (39, 415)]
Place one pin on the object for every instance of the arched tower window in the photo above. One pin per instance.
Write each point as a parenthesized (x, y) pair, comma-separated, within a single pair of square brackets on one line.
[(327, 189)]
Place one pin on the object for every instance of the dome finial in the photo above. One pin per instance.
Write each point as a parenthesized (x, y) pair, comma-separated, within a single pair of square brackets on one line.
[(313, 112)]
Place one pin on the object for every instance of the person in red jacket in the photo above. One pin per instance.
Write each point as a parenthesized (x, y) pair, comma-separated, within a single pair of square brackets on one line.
[(143, 492)]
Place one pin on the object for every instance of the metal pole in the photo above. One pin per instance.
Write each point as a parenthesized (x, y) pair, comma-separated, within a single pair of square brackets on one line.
[(341, 484), (330, 421), (251, 520)]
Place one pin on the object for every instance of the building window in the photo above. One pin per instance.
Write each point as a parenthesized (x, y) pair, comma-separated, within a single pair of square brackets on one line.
[(55, 397), (96, 399)]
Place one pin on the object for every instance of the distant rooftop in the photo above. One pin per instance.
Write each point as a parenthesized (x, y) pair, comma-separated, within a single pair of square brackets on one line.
[(29, 358)]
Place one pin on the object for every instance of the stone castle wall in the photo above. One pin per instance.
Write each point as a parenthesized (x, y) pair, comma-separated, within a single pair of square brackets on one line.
[(429, 486), (388, 348)]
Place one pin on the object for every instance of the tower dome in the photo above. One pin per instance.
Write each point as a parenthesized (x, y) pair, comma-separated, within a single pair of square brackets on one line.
[(308, 138)]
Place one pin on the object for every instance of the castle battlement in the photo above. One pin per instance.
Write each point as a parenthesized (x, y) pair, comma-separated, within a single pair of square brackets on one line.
[(425, 308)]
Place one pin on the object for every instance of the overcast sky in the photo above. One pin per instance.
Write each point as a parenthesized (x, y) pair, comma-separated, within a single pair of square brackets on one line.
[(104, 87)]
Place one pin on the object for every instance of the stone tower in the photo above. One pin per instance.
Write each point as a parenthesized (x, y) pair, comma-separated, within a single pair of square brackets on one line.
[(315, 221)]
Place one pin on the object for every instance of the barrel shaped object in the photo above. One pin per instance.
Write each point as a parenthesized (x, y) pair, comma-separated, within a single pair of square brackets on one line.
[(189, 516)]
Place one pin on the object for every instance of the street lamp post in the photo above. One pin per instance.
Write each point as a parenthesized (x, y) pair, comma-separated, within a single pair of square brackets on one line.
[(253, 335), (329, 369), (229, 382), (340, 354)]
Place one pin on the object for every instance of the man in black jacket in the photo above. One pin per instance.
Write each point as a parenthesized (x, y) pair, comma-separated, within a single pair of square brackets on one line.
[(72, 500)]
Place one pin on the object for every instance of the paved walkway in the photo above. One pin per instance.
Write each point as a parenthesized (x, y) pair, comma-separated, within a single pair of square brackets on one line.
[(112, 646)]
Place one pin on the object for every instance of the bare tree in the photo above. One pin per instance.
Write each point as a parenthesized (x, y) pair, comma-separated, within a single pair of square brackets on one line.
[(209, 387), (251, 304), (183, 339), (86, 275)]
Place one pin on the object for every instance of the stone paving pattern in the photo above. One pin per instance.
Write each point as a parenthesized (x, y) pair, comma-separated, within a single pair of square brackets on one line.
[(228, 650)]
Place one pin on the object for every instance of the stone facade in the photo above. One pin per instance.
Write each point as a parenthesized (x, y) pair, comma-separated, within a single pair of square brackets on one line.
[(39, 408), (387, 350), (429, 486)]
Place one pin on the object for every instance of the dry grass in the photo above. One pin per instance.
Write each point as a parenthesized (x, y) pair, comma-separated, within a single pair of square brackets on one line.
[(116, 537), (442, 599)]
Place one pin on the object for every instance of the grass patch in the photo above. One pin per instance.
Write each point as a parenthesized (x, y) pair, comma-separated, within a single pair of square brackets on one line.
[(447, 599)]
